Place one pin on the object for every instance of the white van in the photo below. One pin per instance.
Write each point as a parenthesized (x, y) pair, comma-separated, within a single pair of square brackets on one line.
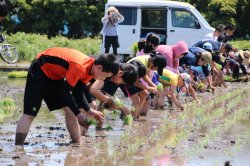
[(173, 21)]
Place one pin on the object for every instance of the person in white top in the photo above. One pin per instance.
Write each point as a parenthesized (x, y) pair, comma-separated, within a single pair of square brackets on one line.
[(109, 30), (217, 32)]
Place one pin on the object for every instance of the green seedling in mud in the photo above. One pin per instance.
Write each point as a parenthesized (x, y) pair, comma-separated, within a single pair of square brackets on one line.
[(204, 117), (134, 147), (133, 109), (201, 86), (128, 119), (115, 114), (7, 108), (160, 86), (118, 103), (125, 136), (17, 74), (92, 122), (228, 78), (105, 112), (172, 132)]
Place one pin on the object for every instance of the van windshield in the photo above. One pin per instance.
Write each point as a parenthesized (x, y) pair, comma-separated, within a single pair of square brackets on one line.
[(201, 17)]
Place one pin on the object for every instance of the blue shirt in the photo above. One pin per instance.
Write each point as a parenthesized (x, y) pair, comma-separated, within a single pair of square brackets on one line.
[(216, 45), (191, 59)]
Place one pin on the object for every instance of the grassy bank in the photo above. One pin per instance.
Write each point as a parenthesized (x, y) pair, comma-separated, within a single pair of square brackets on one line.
[(241, 44), (28, 45)]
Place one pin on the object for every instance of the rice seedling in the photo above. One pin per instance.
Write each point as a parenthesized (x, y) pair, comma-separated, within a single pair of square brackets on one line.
[(7, 108), (17, 74), (128, 119), (92, 121), (160, 87)]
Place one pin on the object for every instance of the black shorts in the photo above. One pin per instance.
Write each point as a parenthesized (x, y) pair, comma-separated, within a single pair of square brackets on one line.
[(110, 88), (39, 87), (130, 91), (111, 40)]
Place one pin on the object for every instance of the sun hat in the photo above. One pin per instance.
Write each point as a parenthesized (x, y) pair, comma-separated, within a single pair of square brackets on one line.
[(208, 46), (186, 78), (245, 55), (114, 16), (112, 9), (207, 57)]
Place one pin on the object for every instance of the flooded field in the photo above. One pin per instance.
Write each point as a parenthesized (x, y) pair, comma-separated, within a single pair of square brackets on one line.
[(212, 132)]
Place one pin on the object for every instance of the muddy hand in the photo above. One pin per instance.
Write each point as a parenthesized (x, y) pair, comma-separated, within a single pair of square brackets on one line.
[(83, 120), (97, 115), (152, 89), (110, 103)]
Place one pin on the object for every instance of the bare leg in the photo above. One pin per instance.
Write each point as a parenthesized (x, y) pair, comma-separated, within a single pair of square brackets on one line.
[(155, 102), (22, 129), (221, 76), (143, 96), (161, 99), (135, 102), (145, 108), (72, 125)]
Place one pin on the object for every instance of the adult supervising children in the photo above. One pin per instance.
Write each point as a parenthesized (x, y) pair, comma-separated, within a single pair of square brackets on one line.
[(110, 29), (58, 76)]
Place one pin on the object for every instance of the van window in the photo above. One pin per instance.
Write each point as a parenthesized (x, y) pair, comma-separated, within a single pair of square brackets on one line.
[(154, 18), (183, 19), (130, 15)]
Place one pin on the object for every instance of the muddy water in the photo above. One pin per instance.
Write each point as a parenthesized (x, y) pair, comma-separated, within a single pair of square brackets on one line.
[(215, 133)]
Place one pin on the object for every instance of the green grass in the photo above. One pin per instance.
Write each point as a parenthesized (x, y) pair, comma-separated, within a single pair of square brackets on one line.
[(29, 45), (241, 44), (7, 108), (17, 74)]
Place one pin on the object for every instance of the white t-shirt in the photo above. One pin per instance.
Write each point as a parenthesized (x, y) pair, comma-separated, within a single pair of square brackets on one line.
[(110, 29), (210, 36)]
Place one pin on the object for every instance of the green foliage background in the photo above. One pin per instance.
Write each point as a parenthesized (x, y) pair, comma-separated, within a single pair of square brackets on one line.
[(28, 45), (34, 25), (82, 17)]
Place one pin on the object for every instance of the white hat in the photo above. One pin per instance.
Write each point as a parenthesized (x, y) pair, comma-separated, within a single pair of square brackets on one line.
[(245, 55), (186, 78)]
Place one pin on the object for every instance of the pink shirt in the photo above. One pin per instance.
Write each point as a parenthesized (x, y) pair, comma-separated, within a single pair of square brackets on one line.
[(173, 53)]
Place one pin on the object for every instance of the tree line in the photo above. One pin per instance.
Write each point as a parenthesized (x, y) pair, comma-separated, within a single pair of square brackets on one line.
[(81, 18)]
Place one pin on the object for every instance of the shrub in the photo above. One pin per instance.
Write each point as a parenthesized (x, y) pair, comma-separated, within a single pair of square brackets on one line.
[(17, 74), (28, 45)]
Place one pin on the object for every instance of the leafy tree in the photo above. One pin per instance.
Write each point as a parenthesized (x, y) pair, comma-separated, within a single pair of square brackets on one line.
[(243, 17), (222, 11), (82, 17)]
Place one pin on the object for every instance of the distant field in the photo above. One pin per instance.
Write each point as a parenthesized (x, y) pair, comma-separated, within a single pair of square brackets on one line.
[(28, 45), (241, 44)]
